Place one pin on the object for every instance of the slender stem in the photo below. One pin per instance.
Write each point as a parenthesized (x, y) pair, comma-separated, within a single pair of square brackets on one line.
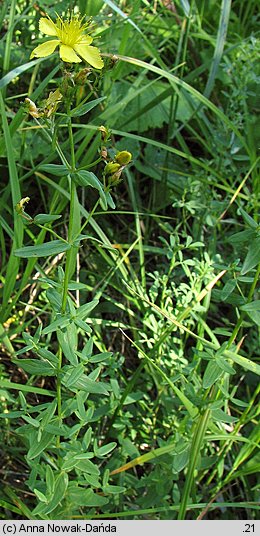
[(72, 150), (58, 391), (250, 295), (68, 255), (198, 437), (9, 37), (89, 216), (51, 232), (67, 271)]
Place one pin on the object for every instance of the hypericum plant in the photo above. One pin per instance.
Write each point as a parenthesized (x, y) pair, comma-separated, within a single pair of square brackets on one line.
[(63, 477), (71, 39)]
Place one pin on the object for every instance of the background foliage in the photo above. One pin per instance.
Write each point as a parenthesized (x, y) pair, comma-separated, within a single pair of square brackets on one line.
[(161, 337)]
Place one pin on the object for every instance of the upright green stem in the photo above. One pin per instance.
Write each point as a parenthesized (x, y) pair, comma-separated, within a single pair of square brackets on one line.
[(67, 270), (68, 255), (9, 37), (198, 438)]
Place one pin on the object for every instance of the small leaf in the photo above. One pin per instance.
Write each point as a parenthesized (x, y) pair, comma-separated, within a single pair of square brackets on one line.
[(87, 178), (228, 288), (252, 306), (38, 446), (55, 169), (61, 322), (50, 480), (242, 236), (86, 466), (60, 488), (84, 310), (85, 497), (247, 219), (100, 357), (73, 375), (68, 341), (90, 386), (31, 421), (81, 324), (224, 365), (85, 108), (40, 496), (113, 489), (211, 374), (46, 218), (253, 256), (36, 367), (103, 451), (48, 356), (220, 415), (44, 250), (180, 460), (48, 414)]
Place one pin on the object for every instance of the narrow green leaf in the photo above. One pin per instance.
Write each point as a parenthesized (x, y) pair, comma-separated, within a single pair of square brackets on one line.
[(46, 218), (221, 38), (87, 178), (6, 384), (61, 322), (228, 288), (84, 108), (243, 236), (36, 367), (48, 414), (85, 497), (13, 263), (224, 365), (38, 447), (60, 488), (90, 386), (55, 169), (99, 358), (113, 489), (44, 250), (243, 361), (220, 415), (211, 374), (18, 71), (82, 325), (84, 310), (73, 375), (251, 307), (68, 341), (40, 496), (103, 451), (247, 219), (253, 256)]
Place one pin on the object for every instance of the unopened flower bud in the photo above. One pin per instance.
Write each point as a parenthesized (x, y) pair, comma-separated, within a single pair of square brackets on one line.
[(123, 158), (52, 102), (105, 133), (113, 61), (81, 77), (19, 207), (103, 153), (111, 168), (32, 108)]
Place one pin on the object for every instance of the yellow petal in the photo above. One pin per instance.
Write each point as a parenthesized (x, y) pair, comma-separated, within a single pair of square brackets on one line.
[(45, 49), (67, 54), (85, 40), (47, 27), (90, 54)]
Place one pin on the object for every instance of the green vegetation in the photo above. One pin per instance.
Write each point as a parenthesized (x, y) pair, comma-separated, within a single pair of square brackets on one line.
[(130, 261)]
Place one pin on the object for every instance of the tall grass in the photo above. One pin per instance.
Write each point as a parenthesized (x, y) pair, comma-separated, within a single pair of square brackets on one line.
[(130, 324)]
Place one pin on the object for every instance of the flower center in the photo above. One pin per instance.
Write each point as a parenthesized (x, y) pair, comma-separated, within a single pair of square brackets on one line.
[(70, 31)]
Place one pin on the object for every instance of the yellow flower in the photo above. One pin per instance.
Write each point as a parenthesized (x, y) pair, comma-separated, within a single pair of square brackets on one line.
[(71, 39)]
